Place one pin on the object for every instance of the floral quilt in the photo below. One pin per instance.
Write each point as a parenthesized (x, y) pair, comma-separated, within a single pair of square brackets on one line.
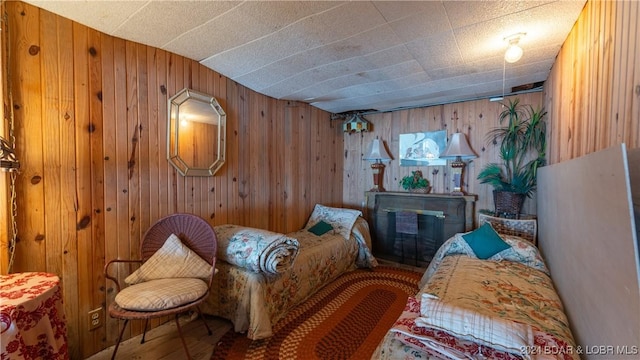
[(521, 251), (513, 291), (255, 301)]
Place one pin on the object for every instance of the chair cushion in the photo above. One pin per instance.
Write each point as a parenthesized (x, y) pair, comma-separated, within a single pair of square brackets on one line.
[(485, 242), (161, 294), (172, 260)]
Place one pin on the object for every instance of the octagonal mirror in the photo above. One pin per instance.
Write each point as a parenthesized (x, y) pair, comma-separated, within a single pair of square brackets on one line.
[(196, 133)]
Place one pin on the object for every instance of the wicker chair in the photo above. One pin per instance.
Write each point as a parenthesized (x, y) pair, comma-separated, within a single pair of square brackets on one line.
[(197, 235)]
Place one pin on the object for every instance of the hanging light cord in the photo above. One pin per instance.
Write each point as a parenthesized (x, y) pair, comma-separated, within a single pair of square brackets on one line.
[(504, 74)]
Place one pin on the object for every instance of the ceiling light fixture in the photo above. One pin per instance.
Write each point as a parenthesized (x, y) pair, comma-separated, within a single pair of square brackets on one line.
[(514, 52), (356, 124)]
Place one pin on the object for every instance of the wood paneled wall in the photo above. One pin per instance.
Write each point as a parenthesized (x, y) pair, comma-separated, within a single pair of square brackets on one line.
[(473, 118), (593, 91), (91, 115)]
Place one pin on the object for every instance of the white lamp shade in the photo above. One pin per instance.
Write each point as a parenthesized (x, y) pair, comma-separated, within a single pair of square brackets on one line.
[(458, 146), (377, 151)]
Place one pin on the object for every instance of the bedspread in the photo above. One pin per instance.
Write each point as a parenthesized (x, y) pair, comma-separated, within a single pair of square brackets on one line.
[(253, 301), (517, 292), (521, 251)]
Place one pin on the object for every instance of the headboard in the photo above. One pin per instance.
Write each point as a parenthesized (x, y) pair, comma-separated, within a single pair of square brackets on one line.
[(587, 235)]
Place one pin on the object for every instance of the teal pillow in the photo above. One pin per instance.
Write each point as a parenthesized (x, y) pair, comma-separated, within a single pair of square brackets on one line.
[(485, 242), (321, 228)]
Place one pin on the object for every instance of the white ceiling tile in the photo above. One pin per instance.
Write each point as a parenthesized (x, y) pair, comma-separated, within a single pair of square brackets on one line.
[(427, 23), (358, 46), (312, 77), (252, 21), (437, 51), (465, 13), (162, 22), (105, 16)]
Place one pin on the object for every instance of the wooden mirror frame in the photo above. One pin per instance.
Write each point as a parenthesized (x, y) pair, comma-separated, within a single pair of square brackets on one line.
[(196, 132)]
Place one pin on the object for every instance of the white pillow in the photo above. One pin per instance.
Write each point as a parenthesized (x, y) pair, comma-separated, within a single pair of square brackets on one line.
[(342, 220), (172, 260), (160, 294)]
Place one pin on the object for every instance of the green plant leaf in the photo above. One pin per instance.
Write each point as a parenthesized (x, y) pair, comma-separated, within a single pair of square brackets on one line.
[(522, 136)]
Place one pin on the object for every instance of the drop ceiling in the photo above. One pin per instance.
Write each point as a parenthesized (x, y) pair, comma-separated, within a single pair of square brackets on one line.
[(347, 56)]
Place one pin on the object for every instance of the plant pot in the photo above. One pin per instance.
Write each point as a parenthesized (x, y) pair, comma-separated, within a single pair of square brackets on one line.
[(508, 204), (421, 190)]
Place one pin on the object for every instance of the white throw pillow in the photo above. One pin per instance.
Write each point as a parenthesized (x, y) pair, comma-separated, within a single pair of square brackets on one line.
[(340, 219), (172, 260), (161, 294)]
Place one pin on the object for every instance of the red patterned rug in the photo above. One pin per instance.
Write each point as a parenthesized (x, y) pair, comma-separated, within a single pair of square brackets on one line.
[(344, 320)]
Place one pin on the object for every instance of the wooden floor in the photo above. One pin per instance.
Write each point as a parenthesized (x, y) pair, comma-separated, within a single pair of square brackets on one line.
[(163, 342)]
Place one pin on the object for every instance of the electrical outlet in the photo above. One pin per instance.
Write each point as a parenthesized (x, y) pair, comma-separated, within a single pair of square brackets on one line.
[(95, 318)]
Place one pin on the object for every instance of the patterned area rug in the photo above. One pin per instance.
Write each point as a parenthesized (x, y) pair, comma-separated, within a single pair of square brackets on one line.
[(344, 320)]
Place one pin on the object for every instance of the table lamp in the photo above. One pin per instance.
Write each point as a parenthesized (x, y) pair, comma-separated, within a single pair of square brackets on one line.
[(458, 150), (377, 154)]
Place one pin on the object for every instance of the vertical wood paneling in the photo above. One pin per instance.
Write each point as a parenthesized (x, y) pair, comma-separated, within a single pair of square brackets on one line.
[(111, 184), (603, 49), (25, 60), (231, 166), (67, 142), (83, 176), (143, 138), (306, 152), (277, 207), (96, 210), (121, 159), (164, 185), (154, 144), (224, 189), (92, 110), (50, 118)]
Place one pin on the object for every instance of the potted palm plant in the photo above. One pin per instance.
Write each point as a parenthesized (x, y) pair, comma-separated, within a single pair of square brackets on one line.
[(522, 142)]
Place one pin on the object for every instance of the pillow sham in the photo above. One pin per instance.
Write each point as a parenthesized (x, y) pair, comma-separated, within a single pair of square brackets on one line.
[(342, 220), (172, 260), (320, 228), (485, 241)]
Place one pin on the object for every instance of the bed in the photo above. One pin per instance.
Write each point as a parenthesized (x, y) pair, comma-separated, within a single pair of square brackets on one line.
[(476, 301), (254, 295)]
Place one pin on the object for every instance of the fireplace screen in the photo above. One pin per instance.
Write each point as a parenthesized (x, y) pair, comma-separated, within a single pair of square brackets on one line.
[(412, 236)]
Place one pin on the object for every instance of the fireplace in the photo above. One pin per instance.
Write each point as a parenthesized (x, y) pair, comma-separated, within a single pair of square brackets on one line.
[(409, 228)]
